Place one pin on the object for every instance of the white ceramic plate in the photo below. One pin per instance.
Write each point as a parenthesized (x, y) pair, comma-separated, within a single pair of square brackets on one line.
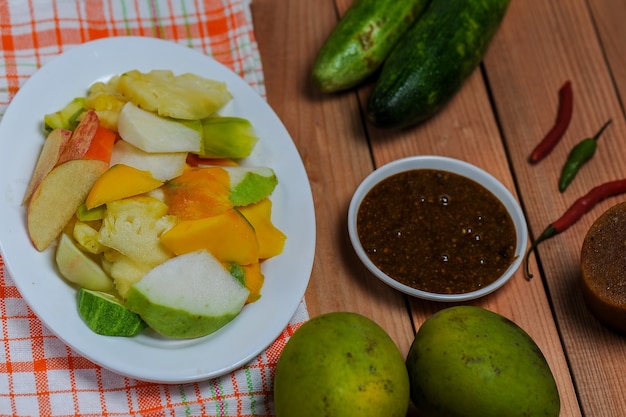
[(148, 357)]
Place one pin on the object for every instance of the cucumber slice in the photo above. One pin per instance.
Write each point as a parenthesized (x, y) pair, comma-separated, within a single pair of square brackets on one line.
[(106, 315)]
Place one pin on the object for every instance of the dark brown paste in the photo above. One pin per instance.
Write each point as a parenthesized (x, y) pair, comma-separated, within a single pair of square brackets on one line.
[(436, 231)]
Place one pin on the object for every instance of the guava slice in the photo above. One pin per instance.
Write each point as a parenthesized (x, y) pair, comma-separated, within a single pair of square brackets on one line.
[(188, 296), (250, 185)]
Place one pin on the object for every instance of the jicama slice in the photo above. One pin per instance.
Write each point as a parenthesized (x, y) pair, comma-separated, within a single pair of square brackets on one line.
[(188, 296), (163, 166), (152, 133)]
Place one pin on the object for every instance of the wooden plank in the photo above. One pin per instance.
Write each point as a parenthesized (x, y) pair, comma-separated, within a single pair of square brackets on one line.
[(329, 135), (539, 46), (467, 129), (542, 45)]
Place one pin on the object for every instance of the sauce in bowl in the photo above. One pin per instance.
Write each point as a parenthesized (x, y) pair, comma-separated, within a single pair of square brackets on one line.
[(436, 231)]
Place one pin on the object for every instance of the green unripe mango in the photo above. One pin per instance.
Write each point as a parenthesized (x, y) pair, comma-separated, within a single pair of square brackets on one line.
[(341, 364), (466, 361)]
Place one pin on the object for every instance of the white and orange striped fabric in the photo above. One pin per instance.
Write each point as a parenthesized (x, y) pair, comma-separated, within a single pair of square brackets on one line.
[(39, 374)]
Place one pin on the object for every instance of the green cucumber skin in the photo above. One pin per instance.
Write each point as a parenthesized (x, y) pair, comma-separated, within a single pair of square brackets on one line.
[(361, 41), (433, 60), (122, 323)]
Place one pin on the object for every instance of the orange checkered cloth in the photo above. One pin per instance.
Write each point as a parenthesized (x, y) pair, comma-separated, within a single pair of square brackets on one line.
[(39, 374)]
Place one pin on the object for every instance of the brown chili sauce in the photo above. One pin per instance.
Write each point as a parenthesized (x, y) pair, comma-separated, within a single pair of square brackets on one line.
[(436, 231)]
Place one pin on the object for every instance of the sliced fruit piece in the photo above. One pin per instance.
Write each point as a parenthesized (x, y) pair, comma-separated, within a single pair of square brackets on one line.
[(118, 182), (152, 133), (198, 193), (77, 267), (196, 161), (163, 166), (228, 236), (227, 137), (185, 96), (250, 184), (89, 215), (125, 271), (106, 101), (48, 158), (251, 277), (67, 117), (106, 315), (101, 145), (271, 239), (188, 296), (133, 227), (86, 238), (57, 198), (81, 138)]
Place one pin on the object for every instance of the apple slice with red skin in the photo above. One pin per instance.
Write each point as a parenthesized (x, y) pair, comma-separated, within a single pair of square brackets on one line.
[(48, 158), (81, 138), (57, 198)]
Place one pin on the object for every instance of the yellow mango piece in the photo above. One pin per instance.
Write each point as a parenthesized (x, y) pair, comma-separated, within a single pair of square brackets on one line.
[(253, 280), (271, 239), (118, 182), (228, 236), (198, 193)]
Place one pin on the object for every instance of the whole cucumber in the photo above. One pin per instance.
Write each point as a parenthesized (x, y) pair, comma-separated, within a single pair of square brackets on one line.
[(433, 59), (361, 41)]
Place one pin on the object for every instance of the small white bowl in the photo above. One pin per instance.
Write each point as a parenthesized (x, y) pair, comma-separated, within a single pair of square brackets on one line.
[(457, 167)]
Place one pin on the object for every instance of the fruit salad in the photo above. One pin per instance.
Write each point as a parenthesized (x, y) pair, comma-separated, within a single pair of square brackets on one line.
[(156, 222)]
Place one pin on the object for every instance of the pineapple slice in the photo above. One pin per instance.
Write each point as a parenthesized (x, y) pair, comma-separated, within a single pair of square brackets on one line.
[(185, 96), (106, 101), (133, 227), (87, 238)]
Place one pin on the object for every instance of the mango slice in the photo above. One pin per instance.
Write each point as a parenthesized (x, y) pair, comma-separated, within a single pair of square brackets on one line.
[(118, 182), (271, 239), (198, 193), (228, 236)]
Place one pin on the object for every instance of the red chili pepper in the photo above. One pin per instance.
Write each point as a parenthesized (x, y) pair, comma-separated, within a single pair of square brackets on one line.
[(564, 115), (576, 211)]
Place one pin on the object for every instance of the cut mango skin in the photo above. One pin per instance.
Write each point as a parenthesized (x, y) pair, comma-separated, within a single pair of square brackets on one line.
[(118, 182), (228, 236)]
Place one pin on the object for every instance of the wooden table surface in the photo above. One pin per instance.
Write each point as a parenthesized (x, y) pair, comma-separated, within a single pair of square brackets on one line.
[(502, 111)]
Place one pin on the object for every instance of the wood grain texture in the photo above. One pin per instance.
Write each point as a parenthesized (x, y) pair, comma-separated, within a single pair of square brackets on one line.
[(329, 134), (502, 111)]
